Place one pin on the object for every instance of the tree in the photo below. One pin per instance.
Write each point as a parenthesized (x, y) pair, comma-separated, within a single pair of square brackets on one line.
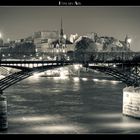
[(85, 48), (85, 45)]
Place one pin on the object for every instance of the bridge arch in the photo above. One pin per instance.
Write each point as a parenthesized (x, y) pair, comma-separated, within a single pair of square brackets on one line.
[(27, 71), (128, 79), (24, 73)]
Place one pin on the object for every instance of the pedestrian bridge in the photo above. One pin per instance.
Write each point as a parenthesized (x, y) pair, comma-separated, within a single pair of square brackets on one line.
[(125, 71)]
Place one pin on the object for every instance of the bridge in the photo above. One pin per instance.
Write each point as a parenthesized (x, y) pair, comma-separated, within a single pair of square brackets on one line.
[(124, 68), (121, 66)]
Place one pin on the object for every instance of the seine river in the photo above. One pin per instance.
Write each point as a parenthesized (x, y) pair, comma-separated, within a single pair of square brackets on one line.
[(69, 105)]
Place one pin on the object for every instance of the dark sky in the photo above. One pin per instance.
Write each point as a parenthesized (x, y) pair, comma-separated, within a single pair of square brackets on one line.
[(19, 22)]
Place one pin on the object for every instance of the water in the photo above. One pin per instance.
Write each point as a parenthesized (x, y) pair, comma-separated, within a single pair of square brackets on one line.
[(68, 105)]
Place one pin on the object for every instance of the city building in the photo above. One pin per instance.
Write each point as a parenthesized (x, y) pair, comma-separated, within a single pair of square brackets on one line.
[(62, 45), (43, 40)]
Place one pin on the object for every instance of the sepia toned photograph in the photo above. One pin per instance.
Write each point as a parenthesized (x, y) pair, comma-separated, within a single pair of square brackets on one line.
[(69, 69)]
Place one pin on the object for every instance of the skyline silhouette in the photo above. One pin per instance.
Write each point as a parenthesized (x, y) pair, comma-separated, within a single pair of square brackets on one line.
[(117, 21)]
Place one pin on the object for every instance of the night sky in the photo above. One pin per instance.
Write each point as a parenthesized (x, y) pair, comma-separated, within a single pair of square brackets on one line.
[(19, 22)]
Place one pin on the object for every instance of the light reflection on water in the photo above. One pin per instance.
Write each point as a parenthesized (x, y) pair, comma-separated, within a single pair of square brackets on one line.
[(67, 105), (58, 129)]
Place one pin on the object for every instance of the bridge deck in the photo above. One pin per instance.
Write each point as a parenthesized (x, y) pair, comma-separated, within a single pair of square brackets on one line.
[(30, 67)]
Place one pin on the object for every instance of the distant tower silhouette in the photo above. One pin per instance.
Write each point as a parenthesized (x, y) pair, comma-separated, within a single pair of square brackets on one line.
[(61, 40), (61, 30), (126, 38)]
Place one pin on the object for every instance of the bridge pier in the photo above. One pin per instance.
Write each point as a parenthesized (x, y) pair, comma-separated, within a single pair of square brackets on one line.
[(131, 101), (3, 112)]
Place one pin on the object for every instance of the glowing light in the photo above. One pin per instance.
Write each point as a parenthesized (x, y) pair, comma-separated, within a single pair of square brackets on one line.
[(40, 58), (2, 76), (96, 80), (48, 72), (56, 78), (91, 64), (68, 58), (125, 125), (37, 118), (64, 36), (104, 80), (58, 128), (114, 65), (35, 65), (32, 119), (36, 75), (76, 79), (76, 67), (63, 75), (114, 82), (48, 57), (129, 40), (84, 79)]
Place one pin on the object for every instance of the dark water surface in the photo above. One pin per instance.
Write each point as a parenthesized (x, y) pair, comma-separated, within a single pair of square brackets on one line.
[(54, 105)]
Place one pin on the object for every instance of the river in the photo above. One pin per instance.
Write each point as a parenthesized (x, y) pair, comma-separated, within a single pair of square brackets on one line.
[(68, 105)]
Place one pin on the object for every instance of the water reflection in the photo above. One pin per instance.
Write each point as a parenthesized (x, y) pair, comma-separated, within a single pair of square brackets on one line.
[(84, 79), (76, 79), (66, 128), (67, 105), (32, 118)]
